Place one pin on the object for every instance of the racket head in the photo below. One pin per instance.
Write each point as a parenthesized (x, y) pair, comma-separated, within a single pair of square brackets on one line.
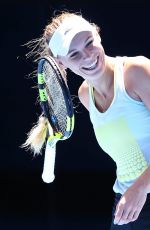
[(55, 98)]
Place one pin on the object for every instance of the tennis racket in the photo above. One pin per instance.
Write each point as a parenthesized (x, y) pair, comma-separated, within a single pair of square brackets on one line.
[(56, 103)]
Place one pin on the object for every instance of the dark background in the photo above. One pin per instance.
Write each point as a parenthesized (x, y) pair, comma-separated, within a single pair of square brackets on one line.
[(81, 196)]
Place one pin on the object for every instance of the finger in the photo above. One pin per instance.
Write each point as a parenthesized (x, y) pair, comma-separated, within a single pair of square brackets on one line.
[(131, 215), (118, 213), (136, 215), (124, 218), (125, 214)]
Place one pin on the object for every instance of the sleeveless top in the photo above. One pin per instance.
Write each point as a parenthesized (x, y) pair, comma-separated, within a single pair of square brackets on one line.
[(123, 131)]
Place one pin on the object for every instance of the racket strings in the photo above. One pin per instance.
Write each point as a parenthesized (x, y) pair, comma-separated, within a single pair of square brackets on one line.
[(55, 97)]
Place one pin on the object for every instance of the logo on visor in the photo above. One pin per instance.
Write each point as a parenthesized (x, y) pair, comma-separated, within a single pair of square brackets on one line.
[(67, 31)]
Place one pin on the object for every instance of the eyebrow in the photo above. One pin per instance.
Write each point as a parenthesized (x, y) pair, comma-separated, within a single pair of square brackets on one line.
[(70, 51)]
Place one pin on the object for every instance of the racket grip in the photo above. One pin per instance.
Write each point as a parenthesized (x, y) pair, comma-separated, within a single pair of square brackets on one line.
[(49, 163)]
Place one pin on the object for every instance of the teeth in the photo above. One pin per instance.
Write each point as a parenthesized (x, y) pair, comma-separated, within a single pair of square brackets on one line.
[(92, 65)]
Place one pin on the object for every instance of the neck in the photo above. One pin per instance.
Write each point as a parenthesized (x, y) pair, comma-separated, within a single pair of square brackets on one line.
[(106, 82)]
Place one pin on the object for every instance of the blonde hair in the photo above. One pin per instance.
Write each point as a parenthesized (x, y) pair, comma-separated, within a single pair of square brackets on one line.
[(36, 136), (38, 48)]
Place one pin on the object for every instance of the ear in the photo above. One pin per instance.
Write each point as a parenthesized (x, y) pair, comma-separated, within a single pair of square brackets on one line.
[(98, 36), (60, 63)]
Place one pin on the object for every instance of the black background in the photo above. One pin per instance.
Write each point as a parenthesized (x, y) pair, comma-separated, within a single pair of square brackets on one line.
[(81, 195)]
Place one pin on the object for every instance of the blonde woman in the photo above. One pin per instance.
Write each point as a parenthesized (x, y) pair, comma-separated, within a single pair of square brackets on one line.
[(116, 93)]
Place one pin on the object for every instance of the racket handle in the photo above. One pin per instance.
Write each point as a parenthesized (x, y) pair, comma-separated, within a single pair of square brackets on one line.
[(49, 163)]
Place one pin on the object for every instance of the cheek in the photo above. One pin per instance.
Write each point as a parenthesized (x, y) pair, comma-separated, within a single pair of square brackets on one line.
[(75, 70), (61, 62), (73, 66)]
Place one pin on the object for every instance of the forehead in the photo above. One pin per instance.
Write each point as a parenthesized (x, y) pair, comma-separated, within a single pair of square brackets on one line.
[(77, 43), (79, 39)]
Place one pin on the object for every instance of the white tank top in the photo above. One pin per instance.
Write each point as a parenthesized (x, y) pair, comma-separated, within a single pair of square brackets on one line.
[(123, 131)]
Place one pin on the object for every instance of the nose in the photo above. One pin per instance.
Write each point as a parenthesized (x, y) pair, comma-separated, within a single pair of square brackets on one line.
[(86, 53)]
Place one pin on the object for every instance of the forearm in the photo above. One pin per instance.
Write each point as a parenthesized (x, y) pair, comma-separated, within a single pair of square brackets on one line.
[(143, 182)]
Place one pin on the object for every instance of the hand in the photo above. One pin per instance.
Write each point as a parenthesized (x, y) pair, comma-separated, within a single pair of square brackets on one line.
[(130, 205)]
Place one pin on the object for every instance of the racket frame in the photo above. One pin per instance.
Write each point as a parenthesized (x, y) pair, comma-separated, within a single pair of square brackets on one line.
[(44, 100)]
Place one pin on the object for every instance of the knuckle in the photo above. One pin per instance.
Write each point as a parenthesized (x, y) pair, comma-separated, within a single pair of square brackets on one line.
[(134, 218), (124, 222), (124, 218)]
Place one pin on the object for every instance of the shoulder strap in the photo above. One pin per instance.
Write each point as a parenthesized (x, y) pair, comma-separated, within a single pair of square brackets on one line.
[(118, 74)]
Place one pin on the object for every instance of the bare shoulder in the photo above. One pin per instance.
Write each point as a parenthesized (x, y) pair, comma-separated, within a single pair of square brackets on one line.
[(137, 64), (136, 75), (83, 94)]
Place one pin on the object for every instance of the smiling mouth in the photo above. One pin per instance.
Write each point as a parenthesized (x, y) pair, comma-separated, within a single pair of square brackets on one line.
[(92, 66)]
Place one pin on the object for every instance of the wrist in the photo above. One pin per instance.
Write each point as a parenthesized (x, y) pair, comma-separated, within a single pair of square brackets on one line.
[(143, 182)]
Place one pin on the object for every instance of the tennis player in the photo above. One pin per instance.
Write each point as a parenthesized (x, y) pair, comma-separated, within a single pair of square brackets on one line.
[(116, 92)]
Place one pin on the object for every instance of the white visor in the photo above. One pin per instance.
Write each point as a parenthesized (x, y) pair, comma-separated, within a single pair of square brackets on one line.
[(62, 37)]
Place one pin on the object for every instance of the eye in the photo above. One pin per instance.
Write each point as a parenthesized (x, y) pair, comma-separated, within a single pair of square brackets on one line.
[(90, 42), (73, 55)]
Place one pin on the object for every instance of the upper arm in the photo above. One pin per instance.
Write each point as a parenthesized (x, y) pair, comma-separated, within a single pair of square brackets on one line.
[(83, 94), (138, 78)]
